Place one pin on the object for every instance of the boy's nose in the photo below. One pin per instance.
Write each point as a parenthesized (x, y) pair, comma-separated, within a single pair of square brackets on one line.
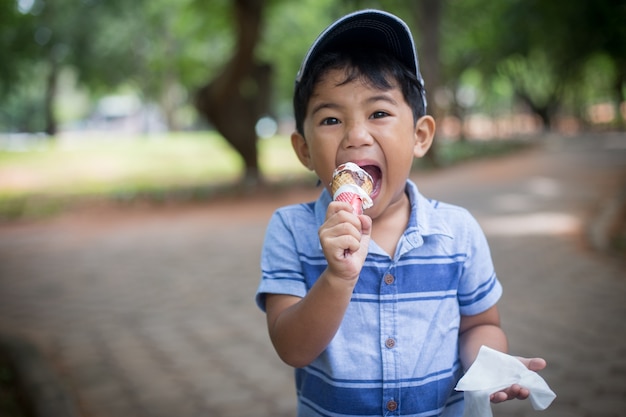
[(356, 135)]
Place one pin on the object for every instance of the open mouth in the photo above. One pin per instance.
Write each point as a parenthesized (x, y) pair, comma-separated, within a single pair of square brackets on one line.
[(376, 175)]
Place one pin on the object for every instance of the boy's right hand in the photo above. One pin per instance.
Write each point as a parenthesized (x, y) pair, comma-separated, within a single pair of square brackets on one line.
[(345, 238), (301, 328)]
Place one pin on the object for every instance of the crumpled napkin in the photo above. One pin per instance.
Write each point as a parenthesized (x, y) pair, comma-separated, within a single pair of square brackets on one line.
[(493, 371)]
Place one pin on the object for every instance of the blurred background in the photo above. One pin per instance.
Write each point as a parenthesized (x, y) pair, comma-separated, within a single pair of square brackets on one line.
[(144, 146), (200, 84)]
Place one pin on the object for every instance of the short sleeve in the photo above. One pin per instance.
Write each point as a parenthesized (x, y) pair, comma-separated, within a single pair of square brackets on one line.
[(479, 288), (281, 269)]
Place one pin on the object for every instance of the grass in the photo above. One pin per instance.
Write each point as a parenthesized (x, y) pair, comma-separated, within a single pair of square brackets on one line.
[(111, 165), (46, 177)]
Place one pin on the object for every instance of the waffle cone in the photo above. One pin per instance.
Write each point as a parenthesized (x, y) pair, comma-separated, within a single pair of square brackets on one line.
[(345, 175), (342, 178)]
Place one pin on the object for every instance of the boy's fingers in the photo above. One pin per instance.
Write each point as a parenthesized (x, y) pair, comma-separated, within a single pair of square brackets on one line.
[(514, 391), (366, 224), (537, 364), (534, 364), (336, 206)]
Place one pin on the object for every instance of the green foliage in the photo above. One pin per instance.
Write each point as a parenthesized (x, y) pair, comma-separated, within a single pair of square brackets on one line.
[(165, 50), (22, 107), (287, 35), (544, 48), (16, 42), (532, 75)]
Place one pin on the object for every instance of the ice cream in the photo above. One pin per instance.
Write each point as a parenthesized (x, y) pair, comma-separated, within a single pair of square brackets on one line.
[(354, 185)]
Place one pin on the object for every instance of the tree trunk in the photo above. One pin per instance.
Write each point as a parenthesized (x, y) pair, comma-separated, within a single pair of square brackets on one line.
[(545, 112), (50, 94), (620, 88), (235, 100), (428, 15)]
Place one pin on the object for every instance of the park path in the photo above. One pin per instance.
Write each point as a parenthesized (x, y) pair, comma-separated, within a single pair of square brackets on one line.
[(149, 311)]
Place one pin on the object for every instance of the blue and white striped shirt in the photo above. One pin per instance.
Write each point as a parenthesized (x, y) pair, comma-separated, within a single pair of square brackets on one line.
[(396, 351)]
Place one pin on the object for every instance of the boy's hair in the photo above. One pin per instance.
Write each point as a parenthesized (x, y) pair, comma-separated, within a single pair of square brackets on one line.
[(371, 45), (375, 68)]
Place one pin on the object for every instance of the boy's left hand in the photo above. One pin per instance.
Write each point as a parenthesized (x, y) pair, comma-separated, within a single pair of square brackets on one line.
[(515, 390)]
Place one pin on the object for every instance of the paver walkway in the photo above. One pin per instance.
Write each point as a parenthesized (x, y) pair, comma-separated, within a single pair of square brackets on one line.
[(149, 312)]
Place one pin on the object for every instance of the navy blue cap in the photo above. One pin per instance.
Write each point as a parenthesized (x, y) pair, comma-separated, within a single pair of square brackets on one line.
[(374, 29)]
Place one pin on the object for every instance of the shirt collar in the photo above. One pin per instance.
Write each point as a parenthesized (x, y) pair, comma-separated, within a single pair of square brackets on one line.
[(424, 220)]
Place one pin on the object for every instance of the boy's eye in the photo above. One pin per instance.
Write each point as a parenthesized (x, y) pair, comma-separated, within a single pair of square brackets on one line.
[(379, 114), (329, 121)]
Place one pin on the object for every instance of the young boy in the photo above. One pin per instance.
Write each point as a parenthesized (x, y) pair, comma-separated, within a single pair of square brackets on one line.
[(380, 313)]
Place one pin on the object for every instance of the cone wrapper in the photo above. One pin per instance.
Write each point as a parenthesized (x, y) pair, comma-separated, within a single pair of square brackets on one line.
[(354, 195)]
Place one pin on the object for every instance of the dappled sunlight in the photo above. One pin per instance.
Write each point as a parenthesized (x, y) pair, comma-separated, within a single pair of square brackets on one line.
[(544, 186), (512, 202), (524, 211), (535, 191), (539, 223)]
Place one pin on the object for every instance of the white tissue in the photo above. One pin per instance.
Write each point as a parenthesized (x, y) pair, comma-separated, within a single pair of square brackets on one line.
[(493, 371)]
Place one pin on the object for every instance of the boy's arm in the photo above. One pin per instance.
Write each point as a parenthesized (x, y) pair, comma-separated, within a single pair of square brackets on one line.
[(484, 329), (301, 328), (478, 330)]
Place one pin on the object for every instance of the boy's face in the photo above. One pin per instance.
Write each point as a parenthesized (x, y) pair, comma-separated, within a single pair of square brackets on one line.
[(371, 127)]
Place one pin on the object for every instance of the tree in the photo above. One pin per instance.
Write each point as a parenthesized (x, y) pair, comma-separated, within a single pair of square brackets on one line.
[(236, 98), (16, 42), (535, 83), (44, 37), (544, 47), (17, 47), (428, 14)]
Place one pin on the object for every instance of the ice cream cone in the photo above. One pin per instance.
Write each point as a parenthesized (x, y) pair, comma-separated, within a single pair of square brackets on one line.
[(354, 185)]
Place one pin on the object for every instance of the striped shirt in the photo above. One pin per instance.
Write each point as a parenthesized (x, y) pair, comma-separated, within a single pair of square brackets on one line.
[(396, 351)]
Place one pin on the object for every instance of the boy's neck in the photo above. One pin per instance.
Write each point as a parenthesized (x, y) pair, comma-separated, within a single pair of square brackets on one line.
[(388, 228)]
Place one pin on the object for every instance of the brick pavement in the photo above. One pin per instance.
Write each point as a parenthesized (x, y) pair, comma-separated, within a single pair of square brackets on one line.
[(149, 311)]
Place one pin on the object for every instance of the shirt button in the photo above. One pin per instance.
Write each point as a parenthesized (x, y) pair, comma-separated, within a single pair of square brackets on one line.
[(392, 405), (389, 279), (390, 343)]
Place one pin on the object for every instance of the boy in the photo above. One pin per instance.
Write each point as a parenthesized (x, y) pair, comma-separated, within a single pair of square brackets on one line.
[(380, 313)]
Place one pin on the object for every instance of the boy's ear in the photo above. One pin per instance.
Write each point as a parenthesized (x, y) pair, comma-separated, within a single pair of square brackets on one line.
[(302, 149), (424, 135)]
